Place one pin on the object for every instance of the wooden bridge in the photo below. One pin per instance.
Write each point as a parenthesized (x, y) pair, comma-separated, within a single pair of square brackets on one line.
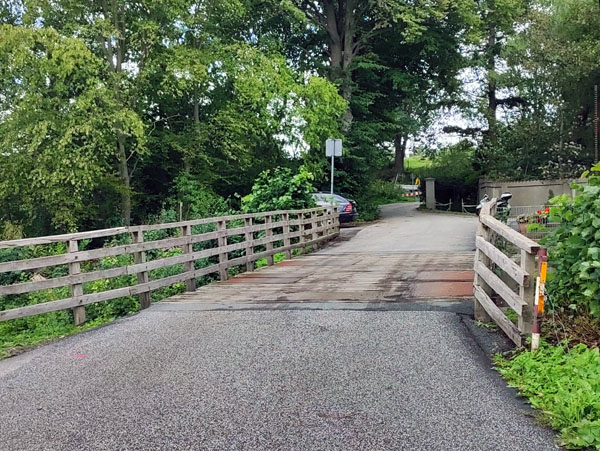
[(372, 271)]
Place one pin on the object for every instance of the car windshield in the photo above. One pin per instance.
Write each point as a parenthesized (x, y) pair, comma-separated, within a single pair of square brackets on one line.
[(325, 197)]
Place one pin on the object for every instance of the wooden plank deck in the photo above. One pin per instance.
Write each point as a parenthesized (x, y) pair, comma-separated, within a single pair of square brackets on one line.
[(355, 277)]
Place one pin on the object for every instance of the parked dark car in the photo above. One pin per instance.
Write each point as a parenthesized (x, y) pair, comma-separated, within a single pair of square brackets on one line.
[(346, 207)]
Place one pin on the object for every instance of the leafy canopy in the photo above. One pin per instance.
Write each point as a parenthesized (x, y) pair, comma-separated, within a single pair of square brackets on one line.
[(56, 125)]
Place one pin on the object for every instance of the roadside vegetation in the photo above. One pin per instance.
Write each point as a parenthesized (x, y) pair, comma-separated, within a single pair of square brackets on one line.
[(562, 378), (564, 384)]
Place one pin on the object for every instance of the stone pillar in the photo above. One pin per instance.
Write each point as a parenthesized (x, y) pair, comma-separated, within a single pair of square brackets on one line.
[(430, 194)]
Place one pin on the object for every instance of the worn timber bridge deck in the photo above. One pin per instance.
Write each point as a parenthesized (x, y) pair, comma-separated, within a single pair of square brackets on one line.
[(407, 256), (357, 277)]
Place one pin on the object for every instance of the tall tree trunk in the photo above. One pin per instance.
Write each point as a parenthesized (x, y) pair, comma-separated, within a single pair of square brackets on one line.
[(125, 180), (187, 158), (114, 54), (400, 152), (492, 100), (341, 30)]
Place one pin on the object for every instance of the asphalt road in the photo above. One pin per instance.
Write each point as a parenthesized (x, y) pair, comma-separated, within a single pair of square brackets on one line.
[(404, 229), (331, 379), (289, 380)]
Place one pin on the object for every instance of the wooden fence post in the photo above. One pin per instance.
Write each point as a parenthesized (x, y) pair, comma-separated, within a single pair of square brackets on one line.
[(223, 256), (249, 237), (188, 267), (485, 233), (269, 233), (527, 293), (142, 277), (286, 236), (333, 222), (76, 288), (318, 225), (302, 239)]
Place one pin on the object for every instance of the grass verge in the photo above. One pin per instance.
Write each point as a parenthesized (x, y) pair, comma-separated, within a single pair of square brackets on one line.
[(564, 384)]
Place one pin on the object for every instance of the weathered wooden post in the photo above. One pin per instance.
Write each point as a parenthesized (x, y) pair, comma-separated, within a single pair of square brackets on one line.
[(286, 235), (485, 233), (222, 244), (269, 234), (76, 288), (188, 267), (249, 238), (527, 293), (142, 276), (330, 221), (302, 239)]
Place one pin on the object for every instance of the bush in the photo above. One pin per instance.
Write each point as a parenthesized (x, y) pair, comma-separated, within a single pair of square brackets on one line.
[(564, 385), (386, 192), (280, 190), (574, 249), (196, 200)]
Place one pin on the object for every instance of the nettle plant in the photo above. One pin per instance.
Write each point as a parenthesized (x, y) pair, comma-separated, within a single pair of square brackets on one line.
[(574, 247)]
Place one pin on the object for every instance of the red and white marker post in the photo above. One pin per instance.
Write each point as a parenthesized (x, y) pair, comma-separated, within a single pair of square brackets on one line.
[(540, 298)]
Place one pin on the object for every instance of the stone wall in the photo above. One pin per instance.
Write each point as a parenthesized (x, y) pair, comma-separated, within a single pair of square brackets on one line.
[(526, 193)]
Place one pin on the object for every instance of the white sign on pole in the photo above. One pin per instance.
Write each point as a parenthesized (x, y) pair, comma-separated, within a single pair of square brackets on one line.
[(333, 147)]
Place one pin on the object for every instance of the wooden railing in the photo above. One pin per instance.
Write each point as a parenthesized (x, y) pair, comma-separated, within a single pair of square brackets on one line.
[(504, 278), (249, 237)]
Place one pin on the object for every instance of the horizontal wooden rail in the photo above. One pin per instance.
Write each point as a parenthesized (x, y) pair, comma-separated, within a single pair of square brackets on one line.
[(514, 237), (503, 290), (276, 235), (498, 316), (494, 270), (503, 261), (78, 236)]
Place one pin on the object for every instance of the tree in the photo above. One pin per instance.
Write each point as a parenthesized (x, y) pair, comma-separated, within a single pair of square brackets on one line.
[(402, 82), (56, 127), (349, 26), (124, 33), (280, 190), (548, 83)]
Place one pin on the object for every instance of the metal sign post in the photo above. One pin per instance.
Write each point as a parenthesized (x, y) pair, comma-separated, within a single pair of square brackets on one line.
[(333, 148)]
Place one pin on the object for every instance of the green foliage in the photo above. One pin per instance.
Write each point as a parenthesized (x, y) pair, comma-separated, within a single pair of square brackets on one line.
[(261, 262), (416, 162), (280, 190), (56, 129), (564, 385), (196, 200), (385, 192), (574, 248)]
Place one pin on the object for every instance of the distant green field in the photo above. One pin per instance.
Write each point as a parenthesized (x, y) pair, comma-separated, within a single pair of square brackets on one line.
[(416, 162)]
